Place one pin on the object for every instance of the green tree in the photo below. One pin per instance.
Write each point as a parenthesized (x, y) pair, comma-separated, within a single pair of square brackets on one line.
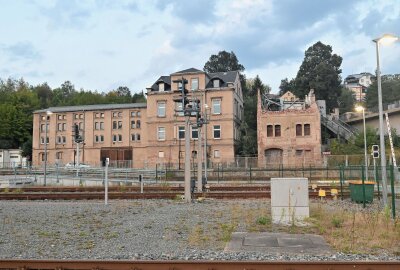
[(390, 91), (139, 98), (320, 71), (286, 85), (225, 61), (44, 93), (346, 100)]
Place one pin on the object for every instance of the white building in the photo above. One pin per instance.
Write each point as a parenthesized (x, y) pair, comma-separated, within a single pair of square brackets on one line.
[(10, 158)]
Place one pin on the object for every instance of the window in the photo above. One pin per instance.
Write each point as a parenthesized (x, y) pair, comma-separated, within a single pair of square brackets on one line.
[(133, 114), (119, 124), (133, 124), (277, 130), (59, 117), (81, 116), (42, 140), (138, 137), (64, 139), (195, 133), (195, 84), (96, 138), (270, 131), (216, 106), (161, 109), (217, 132), (101, 115), (181, 132), (216, 83), (101, 138), (194, 154), (59, 155), (76, 116), (114, 114), (161, 87), (119, 114), (307, 130), (161, 133), (115, 123), (115, 138), (299, 130), (138, 123), (81, 126), (161, 154), (133, 137), (97, 125), (101, 125), (216, 154), (64, 126), (96, 115), (180, 86), (179, 109), (299, 153), (138, 114), (59, 126), (120, 138)]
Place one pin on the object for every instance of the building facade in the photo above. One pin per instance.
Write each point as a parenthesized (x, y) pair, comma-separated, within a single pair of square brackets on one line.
[(289, 131), (10, 158), (358, 84), (143, 135)]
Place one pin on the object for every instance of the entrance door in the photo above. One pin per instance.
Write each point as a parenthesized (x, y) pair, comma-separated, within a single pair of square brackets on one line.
[(273, 156)]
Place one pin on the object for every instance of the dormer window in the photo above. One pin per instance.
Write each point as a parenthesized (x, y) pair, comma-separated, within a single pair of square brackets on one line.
[(161, 87), (216, 83)]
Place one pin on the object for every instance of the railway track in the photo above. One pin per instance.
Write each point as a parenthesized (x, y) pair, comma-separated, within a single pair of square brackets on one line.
[(193, 265), (136, 196)]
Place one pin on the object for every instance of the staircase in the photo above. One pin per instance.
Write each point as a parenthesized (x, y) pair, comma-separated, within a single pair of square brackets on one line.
[(339, 127)]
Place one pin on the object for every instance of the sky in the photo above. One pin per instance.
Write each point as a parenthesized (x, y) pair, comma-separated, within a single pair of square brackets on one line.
[(102, 44)]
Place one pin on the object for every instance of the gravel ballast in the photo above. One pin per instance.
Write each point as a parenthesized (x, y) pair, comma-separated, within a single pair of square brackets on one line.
[(132, 230)]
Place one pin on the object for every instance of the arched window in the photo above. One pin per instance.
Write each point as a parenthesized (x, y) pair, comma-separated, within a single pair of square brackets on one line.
[(299, 130)]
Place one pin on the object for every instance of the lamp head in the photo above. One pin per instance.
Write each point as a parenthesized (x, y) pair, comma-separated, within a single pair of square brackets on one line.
[(386, 39), (359, 108)]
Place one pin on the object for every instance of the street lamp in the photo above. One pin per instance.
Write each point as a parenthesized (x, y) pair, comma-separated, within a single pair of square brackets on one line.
[(385, 39), (360, 108), (206, 118), (48, 113)]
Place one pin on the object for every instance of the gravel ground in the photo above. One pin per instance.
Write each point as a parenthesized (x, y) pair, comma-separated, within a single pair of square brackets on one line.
[(140, 230)]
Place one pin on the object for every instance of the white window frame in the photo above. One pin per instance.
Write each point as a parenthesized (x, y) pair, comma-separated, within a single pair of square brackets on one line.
[(161, 87), (197, 84), (216, 105), (181, 130), (161, 108), (217, 129), (161, 134), (195, 130)]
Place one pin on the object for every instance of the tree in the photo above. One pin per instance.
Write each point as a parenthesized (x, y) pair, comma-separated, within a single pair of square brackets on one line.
[(346, 100), (224, 61), (320, 71), (390, 91), (286, 85), (139, 98), (44, 93)]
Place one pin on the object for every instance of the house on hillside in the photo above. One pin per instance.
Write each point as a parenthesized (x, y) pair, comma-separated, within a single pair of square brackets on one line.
[(358, 84)]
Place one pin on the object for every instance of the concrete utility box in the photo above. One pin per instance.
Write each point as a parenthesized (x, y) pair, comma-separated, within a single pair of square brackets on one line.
[(289, 199)]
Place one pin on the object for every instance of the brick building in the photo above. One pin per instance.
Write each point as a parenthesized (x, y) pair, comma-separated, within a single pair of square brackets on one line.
[(143, 135), (289, 131)]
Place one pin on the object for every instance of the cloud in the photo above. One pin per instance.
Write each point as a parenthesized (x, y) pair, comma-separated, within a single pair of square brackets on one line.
[(192, 12), (21, 51)]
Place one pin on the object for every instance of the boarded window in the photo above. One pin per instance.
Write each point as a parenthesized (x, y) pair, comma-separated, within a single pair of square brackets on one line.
[(307, 130), (299, 130), (270, 131), (277, 130)]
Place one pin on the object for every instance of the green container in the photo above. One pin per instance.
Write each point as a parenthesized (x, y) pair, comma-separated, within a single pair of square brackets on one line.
[(356, 191)]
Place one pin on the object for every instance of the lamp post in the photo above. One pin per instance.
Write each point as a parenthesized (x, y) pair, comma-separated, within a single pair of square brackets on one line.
[(205, 141), (360, 108), (387, 38), (48, 113)]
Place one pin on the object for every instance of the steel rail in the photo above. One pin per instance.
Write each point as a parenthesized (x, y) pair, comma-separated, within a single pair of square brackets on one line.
[(151, 195), (194, 265)]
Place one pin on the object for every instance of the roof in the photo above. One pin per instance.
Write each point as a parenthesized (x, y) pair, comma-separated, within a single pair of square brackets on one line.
[(189, 70), (225, 77), (96, 107)]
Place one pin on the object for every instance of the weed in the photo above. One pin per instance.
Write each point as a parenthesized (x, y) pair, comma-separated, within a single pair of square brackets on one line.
[(337, 221), (227, 230), (87, 245), (263, 220)]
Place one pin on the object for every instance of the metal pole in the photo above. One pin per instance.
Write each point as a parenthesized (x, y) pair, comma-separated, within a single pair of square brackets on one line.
[(187, 159), (365, 146), (393, 192), (363, 185), (199, 164), (77, 159), (381, 134), (376, 178), (45, 152), (141, 183), (106, 182), (205, 145)]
